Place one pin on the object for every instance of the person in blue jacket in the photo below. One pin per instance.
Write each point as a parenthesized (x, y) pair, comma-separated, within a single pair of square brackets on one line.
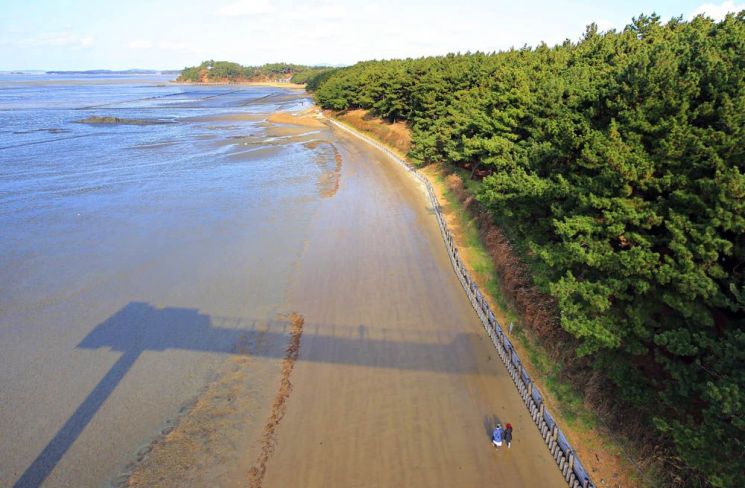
[(497, 436)]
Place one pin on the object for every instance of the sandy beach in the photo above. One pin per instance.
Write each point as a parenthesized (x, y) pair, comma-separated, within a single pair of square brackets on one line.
[(399, 385), (141, 283), (396, 383), (187, 366)]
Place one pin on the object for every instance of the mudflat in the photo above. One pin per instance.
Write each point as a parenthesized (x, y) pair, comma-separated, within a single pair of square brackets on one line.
[(144, 275), (397, 383), (277, 309)]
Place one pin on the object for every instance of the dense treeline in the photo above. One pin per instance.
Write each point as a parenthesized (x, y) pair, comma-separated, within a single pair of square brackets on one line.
[(617, 163), (302, 77), (234, 72)]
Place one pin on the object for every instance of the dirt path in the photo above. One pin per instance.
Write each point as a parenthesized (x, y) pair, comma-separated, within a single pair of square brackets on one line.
[(396, 382)]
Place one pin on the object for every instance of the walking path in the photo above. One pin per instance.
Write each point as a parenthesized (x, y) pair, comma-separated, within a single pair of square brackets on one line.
[(407, 387)]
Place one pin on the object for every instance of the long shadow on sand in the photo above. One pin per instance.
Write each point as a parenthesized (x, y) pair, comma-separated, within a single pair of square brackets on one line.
[(140, 327)]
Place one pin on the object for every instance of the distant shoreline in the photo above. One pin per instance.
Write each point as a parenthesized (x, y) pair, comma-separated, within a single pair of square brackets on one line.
[(276, 84)]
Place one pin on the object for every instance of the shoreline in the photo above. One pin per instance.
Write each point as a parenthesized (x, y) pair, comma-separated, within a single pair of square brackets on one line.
[(461, 221), (307, 117), (148, 327), (413, 354), (274, 84), (350, 348)]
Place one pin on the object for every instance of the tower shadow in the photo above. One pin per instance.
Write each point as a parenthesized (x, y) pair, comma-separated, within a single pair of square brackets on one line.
[(140, 327), (136, 328)]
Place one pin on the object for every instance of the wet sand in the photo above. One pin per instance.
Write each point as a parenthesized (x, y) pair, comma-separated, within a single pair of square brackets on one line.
[(396, 383), (147, 308)]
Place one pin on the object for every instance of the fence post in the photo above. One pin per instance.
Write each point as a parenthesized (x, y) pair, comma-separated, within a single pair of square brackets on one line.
[(552, 442)]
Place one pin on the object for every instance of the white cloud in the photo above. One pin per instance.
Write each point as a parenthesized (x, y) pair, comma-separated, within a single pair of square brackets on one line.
[(718, 12), (171, 46), (56, 39), (241, 8), (141, 44)]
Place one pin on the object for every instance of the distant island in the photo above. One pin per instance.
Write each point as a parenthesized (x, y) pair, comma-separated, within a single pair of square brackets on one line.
[(228, 72), (117, 72)]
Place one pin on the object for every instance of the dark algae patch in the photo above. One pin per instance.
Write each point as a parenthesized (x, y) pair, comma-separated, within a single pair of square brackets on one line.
[(279, 407), (95, 119)]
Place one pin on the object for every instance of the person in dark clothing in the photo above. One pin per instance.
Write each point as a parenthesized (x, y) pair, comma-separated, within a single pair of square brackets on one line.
[(508, 435)]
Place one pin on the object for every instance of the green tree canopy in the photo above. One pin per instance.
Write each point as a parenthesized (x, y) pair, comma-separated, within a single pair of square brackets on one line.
[(618, 163)]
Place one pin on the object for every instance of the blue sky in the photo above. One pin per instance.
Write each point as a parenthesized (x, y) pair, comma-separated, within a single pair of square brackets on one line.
[(87, 34)]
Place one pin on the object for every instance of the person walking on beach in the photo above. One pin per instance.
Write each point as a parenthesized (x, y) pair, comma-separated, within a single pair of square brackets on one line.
[(508, 435), (497, 436)]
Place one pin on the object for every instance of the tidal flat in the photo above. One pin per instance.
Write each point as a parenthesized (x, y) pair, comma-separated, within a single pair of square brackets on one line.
[(244, 296), (135, 260)]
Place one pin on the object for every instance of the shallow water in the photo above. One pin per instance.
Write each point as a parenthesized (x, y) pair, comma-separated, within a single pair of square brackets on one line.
[(133, 258), (146, 274), (75, 195)]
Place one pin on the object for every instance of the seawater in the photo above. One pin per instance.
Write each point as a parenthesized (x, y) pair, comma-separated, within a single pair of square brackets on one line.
[(164, 234), (76, 198)]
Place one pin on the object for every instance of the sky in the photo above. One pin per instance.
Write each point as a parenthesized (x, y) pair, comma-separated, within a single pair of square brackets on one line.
[(172, 34)]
